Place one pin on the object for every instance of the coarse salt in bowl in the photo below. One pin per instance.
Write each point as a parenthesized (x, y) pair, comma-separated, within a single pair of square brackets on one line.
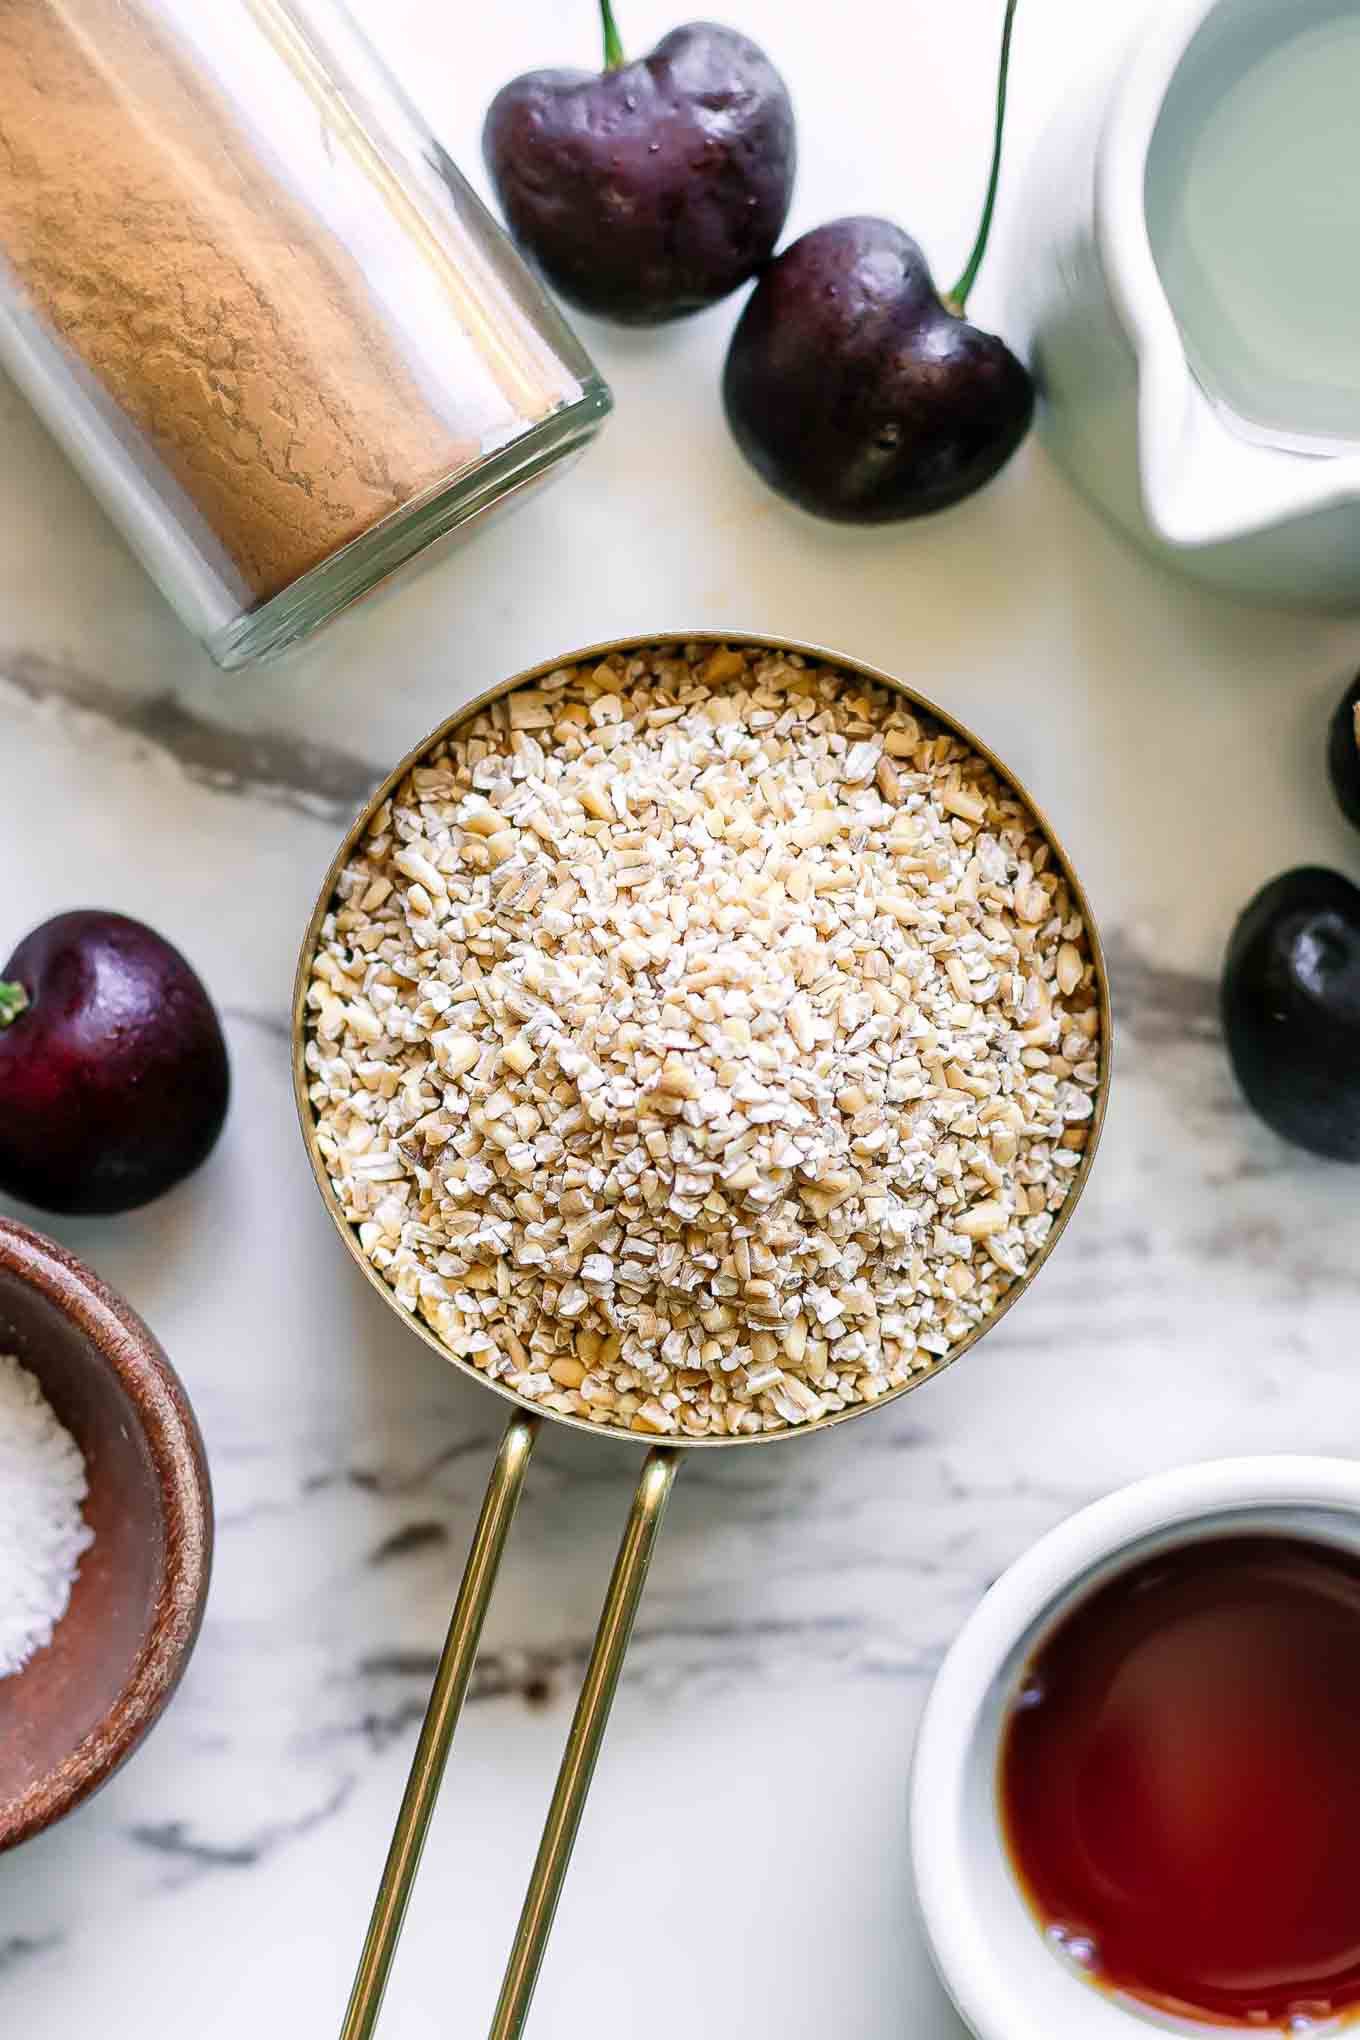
[(42, 1530), (84, 1701)]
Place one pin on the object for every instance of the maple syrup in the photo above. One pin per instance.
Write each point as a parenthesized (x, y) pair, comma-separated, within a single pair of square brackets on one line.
[(1179, 1782)]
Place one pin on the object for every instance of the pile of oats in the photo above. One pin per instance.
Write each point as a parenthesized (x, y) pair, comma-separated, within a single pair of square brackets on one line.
[(701, 1043)]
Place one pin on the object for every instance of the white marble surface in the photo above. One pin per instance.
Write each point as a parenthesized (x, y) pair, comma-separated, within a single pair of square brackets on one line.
[(742, 1869)]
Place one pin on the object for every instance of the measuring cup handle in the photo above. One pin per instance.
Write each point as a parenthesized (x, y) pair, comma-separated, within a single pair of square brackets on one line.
[(441, 1719), (583, 1744)]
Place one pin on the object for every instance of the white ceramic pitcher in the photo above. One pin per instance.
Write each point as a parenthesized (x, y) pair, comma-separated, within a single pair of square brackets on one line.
[(1272, 516)]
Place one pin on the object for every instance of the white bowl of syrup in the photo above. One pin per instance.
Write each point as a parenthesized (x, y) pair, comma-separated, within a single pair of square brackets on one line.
[(1136, 1791)]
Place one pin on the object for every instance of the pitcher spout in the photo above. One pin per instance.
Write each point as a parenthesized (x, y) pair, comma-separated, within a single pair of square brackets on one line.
[(1205, 481)]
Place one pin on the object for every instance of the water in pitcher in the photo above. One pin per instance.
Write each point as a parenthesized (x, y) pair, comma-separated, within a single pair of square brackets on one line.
[(1253, 208)]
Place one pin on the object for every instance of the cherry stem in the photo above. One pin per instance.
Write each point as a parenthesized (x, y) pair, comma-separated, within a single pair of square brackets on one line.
[(13, 1001), (613, 41), (958, 296)]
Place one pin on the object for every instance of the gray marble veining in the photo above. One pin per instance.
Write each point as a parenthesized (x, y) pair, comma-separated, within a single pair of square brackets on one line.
[(318, 779)]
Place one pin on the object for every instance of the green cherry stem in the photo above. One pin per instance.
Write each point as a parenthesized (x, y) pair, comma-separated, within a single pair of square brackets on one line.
[(13, 1002), (958, 296), (613, 41)]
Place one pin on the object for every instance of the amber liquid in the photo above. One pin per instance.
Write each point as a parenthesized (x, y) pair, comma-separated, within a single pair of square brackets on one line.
[(1180, 1782)]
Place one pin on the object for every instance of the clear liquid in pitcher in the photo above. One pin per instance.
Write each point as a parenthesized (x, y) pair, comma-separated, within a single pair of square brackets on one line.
[(1253, 210)]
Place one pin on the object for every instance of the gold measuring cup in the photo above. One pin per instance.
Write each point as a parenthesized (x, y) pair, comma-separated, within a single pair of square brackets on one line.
[(512, 1460)]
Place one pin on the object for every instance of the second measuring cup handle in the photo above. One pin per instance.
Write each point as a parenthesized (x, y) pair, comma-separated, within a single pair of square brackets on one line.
[(441, 1718), (583, 1744)]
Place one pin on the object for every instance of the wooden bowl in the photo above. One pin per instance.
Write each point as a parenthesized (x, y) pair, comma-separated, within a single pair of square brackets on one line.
[(81, 1706)]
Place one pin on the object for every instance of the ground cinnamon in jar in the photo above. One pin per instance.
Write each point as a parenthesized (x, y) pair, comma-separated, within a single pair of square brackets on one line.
[(224, 320)]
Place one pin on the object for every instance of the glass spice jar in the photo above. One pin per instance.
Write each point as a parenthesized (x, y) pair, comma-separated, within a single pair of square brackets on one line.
[(260, 309)]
